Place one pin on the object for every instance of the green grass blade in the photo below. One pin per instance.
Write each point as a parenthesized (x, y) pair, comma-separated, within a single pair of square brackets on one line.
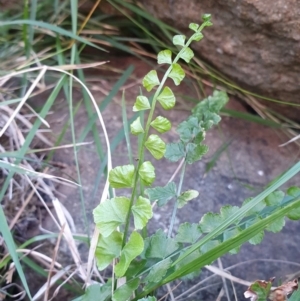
[(113, 92), (76, 288), (242, 211), (114, 143), (115, 44), (33, 11), (10, 102), (53, 28), (74, 7), (61, 61), (147, 16), (141, 26), (25, 27), (38, 238), (251, 118), (212, 162), (61, 135), (226, 246), (90, 112), (231, 243), (12, 250), (74, 51), (3, 223), (55, 6), (7, 259), (295, 296), (21, 153)]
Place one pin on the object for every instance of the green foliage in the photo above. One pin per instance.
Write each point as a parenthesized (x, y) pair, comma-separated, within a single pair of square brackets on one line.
[(143, 263), (108, 248), (295, 296), (193, 130), (194, 26), (194, 256), (124, 292), (147, 262), (230, 233), (294, 192), (227, 211), (195, 152), (110, 214), (142, 212), (97, 292), (162, 194), (294, 215), (175, 151), (121, 176), (274, 198), (132, 249), (189, 129), (147, 173), (187, 54), (167, 98), (161, 124), (187, 196), (260, 289), (157, 272), (179, 40), (150, 80), (210, 221), (155, 146), (177, 74), (159, 246), (197, 36), (136, 127), (277, 225), (164, 57), (256, 209), (141, 103), (188, 233)]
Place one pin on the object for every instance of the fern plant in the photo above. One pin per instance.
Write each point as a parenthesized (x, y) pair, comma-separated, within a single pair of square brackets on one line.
[(143, 263)]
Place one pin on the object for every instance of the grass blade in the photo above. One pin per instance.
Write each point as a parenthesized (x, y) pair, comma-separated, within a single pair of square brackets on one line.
[(3, 223), (115, 89), (12, 250), (231, 243), (53, 28), (216, 156), (251, 118), (242, 211)]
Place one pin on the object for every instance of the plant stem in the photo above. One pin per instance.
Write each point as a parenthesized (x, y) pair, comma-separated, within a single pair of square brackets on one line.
[(125, 125), (150, 116), (176, 201)]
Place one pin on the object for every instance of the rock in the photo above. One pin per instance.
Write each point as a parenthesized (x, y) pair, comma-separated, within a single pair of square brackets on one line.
[(255, 43)]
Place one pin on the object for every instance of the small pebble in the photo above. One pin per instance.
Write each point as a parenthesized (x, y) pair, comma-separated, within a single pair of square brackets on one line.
[(156, 216), (260, 173)]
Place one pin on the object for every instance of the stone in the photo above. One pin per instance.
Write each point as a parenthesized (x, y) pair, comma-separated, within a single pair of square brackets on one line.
[(255, 43)]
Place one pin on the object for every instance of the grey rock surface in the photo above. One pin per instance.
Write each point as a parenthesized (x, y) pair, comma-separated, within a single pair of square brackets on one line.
[(255, 43)]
